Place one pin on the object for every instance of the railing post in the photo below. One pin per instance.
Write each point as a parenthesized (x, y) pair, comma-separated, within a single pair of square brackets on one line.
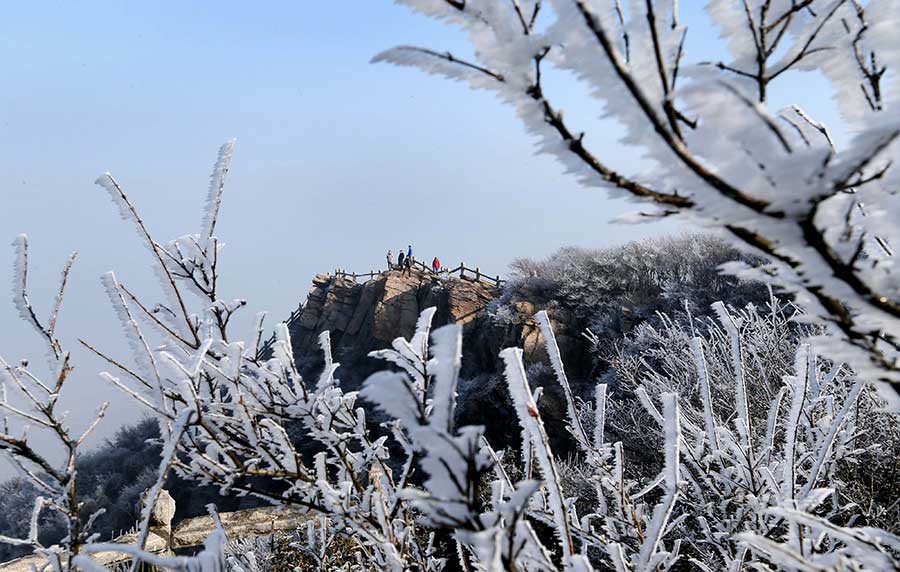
[(462, 269)]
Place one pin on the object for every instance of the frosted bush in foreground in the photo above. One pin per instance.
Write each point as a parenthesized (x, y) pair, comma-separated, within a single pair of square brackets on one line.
[(227, 414), (731, 492), (771, 180), (817, 428)]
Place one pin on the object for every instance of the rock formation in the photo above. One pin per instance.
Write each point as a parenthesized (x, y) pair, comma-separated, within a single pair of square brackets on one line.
[(362, 317), (366, 316), (162, 515)]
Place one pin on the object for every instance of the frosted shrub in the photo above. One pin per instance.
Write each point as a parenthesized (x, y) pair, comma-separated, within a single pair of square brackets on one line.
[(657, 357), (18, 502), (731, 491), (608, 288), (29, 398), (307, 549), (815, 413)]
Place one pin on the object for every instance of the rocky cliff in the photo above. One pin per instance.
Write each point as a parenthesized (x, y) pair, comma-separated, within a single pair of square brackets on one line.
[(367, 316), (362, 317)]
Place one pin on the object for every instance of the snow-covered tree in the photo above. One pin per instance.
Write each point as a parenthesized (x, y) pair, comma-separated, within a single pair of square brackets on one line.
[(772, 180), (609, 289), (29, 401)]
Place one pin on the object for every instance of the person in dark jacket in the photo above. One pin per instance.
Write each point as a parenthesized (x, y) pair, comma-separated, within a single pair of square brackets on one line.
[(400, 259), (407, 264)]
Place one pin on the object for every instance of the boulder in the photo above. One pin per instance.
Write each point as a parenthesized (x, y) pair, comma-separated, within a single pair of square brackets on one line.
[(163, 510)]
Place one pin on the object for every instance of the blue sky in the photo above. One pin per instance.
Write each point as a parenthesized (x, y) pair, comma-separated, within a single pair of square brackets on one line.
[(337, 160)]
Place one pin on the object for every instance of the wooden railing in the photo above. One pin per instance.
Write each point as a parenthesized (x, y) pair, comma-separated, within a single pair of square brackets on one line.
[(266, 346), (341, 273), (464, 273)]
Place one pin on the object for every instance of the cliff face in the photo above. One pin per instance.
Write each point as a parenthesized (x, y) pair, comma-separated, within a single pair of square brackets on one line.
[(370, 315), (362, 317)]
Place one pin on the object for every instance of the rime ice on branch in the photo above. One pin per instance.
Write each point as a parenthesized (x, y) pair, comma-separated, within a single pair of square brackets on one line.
[(771, 180)]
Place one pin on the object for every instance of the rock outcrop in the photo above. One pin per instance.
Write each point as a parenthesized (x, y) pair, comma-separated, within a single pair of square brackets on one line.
[(162, 515), (188, 534), (362, 317), (366, 316)]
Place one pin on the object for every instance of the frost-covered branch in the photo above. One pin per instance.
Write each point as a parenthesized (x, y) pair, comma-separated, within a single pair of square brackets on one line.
[(778, 191), (29, 400)]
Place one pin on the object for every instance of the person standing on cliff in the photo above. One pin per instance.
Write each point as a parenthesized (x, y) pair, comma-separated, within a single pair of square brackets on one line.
[(400, 259), (390, 259), (409, 255), (407, 264), (436, 265)]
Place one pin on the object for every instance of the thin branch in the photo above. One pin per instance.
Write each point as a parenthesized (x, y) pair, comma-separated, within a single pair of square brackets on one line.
[(115, 363), (21, 293), (725, 67), (678, 56), (526, 29), (23, 414), (555, 120), (678, 148), (23, 450), (796, 127), (663, 73), (534, 14), (59, 295), (806, 50), (814, 124), (114, 187), (867, 160), (860, 180), (767, 121), (153, 317), (625, 39), (90, 429), (788, 14)]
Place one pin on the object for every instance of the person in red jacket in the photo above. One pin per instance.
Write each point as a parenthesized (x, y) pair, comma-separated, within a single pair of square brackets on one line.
[(436, 265)]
